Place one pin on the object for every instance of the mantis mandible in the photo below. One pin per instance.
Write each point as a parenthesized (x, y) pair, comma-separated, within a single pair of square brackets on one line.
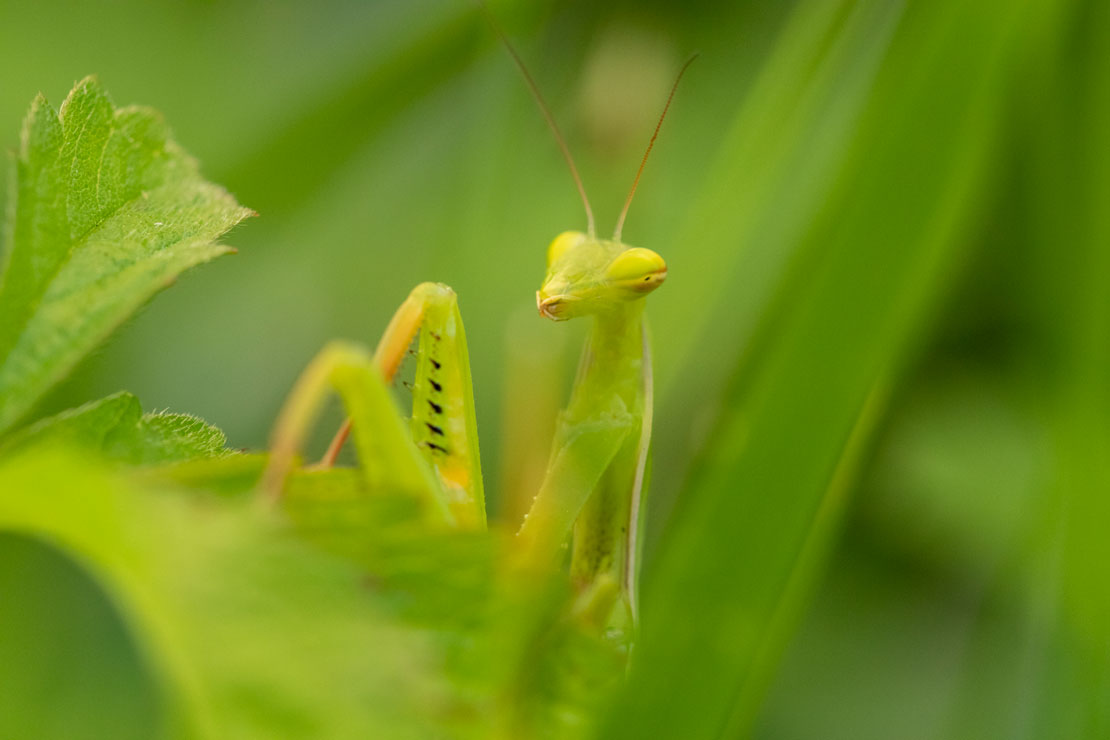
[(594, 484)]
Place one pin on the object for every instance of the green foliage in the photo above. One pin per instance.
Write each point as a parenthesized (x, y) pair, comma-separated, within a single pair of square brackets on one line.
[(106, 211), (64, 644), (117, 429), (239, 617), (783, 519), (878, 504), (245, 628)]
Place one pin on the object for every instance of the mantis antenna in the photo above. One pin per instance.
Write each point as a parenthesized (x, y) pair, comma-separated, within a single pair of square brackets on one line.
[(635, 182), (547, 116)]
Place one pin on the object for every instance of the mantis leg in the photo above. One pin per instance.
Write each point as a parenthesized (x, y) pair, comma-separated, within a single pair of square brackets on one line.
[(602, 530), (582, 454), (607, 534), (435, 455)]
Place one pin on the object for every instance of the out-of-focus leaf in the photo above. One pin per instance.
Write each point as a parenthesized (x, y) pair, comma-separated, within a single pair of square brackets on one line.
[(439, 578), (68, 669), (107, 211), (751, 533), (519, 646), (117, 428), (226, 475), (250, 631), (316, 624)]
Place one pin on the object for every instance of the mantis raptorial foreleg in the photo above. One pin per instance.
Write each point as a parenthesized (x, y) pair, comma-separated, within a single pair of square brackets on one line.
[(583, 452), (434, 456)]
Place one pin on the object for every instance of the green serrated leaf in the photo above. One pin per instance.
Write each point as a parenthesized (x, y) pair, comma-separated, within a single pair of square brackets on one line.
[(117, 428), (107, 211)]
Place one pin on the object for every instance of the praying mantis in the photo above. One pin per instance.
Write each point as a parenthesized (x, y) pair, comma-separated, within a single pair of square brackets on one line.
[(593, 489)]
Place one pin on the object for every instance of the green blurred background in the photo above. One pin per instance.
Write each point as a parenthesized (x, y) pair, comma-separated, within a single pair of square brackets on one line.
[(889, 246)]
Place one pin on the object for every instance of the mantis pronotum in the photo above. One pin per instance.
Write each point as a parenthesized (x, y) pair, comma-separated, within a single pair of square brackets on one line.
[(595, 476)]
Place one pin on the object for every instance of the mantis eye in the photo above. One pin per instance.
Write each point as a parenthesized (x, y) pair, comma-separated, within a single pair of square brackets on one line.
[(638, 269), (562, 243)]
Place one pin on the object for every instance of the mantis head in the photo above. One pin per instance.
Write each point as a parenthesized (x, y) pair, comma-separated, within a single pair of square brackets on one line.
[(587, 275), (590, 276)]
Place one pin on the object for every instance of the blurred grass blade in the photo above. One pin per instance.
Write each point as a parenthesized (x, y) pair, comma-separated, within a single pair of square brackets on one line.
[(848, 312), (775, 171), (108, 210), (1070, 162), (1040, 667)]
